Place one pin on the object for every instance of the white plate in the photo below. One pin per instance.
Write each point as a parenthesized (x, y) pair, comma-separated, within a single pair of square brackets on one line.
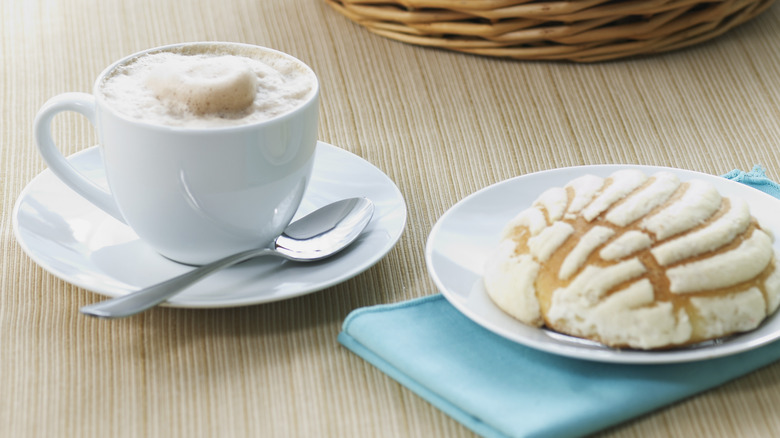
[(464, 236), (77, 242)]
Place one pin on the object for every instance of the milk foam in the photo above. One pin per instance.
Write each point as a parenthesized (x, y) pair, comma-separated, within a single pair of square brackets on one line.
[(208, 86)]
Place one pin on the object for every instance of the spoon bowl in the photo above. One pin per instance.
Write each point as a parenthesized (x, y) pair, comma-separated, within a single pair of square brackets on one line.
[(318, 235)]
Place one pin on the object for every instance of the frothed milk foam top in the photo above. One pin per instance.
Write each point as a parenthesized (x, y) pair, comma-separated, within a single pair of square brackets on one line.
[(208, 86)]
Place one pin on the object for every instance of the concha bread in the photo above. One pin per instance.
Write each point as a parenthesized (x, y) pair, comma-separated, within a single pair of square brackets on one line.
[(636, 261)]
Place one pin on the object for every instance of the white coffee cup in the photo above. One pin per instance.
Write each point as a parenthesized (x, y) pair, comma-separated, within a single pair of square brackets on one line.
[(194, 194)]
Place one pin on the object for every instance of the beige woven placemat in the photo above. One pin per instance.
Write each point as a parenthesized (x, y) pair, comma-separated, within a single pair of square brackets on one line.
[(441, 124)]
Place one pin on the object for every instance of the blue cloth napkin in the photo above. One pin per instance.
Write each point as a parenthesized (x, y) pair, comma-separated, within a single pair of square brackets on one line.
[(498, 388), (755, 178)]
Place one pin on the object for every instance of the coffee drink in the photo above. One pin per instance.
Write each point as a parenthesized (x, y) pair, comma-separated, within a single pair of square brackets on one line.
[(207, 147), (208, 86)]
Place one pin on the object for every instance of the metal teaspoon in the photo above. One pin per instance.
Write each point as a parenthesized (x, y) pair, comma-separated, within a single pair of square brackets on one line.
[(316, 236)]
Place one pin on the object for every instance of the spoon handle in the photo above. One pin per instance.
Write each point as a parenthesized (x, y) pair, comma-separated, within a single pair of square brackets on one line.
[(143, 299)]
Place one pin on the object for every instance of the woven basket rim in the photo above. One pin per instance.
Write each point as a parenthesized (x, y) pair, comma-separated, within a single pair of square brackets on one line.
[(584, 31)]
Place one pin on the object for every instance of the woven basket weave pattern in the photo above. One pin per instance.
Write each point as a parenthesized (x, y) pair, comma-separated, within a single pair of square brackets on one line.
[(580, 30)]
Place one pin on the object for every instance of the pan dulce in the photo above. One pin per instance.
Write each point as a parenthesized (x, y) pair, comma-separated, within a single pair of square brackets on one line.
[(637, 261)]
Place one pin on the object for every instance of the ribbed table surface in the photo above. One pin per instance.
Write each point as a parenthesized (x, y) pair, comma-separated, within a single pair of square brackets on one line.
[(441, 124)]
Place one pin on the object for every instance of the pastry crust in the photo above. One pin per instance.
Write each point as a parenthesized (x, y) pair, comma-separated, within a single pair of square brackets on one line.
[(636, 261)]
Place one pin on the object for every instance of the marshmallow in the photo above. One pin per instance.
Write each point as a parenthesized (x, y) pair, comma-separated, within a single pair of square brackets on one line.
[(205, 85)]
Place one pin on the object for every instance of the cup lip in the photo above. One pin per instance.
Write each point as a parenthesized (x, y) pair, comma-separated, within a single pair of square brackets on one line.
[(100, 99)]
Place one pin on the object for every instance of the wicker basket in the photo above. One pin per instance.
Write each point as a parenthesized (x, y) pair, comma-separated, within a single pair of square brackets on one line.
[(576, 30)]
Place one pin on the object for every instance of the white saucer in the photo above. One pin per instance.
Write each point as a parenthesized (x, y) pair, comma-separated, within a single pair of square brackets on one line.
[(464, 236), (77, 242)]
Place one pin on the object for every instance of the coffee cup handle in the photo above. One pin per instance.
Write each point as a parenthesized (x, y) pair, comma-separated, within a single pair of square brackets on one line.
[(84, 104)]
